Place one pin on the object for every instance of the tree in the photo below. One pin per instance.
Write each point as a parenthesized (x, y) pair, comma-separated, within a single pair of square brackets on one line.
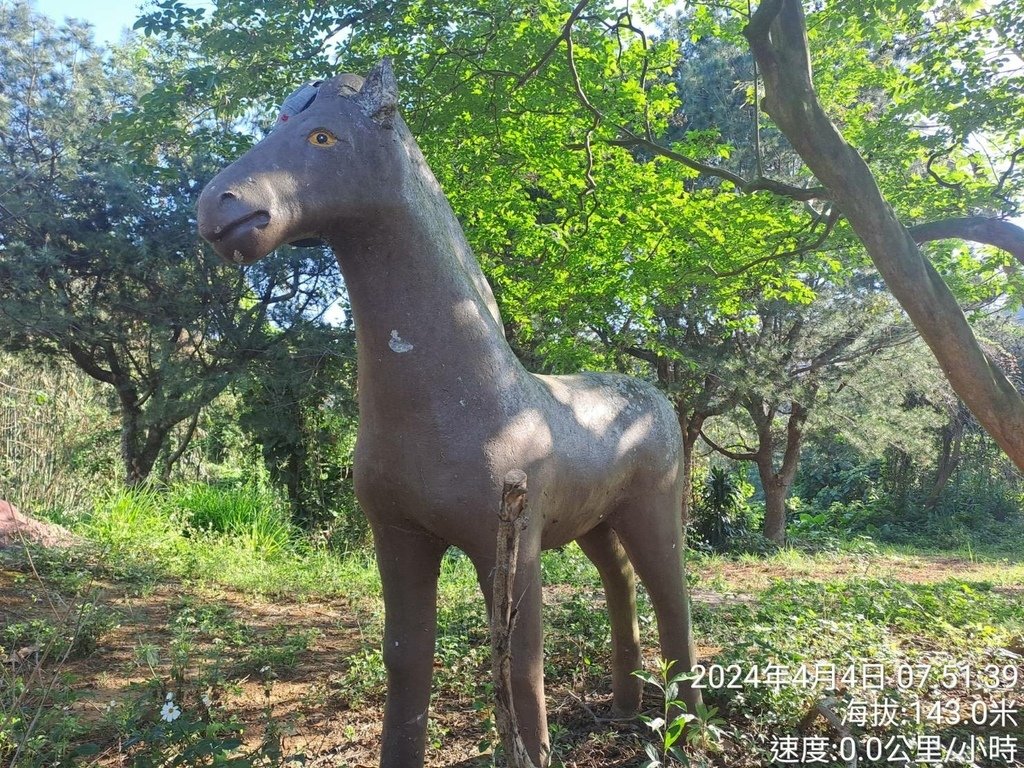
[(778, 39), (298, 403), (551, 129), (786, 360), (99, 260), (783, 59)]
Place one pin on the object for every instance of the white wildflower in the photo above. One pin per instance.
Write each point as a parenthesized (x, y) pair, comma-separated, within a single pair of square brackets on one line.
[(207, 699), (170, 712)]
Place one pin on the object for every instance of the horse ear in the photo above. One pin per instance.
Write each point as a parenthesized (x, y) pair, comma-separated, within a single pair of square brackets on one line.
[(379, 95)]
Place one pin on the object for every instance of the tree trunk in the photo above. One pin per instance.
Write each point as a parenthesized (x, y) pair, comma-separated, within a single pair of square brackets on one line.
[(777, 483), (775, 495), (949, 459), (691, 425), (186, 440), (778, 39), (140, 446)]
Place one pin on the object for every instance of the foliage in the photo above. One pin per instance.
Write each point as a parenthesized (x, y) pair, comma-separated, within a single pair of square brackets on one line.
[(145, 534), (608, 180), (185, 720), (675, 726), (58, 442), (253, 517), (834, 471), (803, 610), (721, 511), (535, 213), (298, 405), (135, 530), (799, 626), (577, 144), (583, 634), (99, 262)]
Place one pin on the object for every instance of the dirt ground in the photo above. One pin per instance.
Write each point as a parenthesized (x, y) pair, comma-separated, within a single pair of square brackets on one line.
[(312, 699)]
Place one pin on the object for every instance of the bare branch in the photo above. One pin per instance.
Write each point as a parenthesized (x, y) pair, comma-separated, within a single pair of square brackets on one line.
[(546, 56), (747, 455), (1000, 233)]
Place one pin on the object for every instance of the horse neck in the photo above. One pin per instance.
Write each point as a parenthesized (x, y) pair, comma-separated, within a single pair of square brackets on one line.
[(425, 318)]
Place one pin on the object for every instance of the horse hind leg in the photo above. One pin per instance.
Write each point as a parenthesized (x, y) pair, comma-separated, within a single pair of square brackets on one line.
[(651, 534), (603, 548)]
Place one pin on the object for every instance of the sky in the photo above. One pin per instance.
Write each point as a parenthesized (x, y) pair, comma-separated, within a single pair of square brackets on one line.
[(108, 17)]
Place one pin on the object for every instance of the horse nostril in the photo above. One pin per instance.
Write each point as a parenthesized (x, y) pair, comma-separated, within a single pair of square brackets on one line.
[(227, 196)]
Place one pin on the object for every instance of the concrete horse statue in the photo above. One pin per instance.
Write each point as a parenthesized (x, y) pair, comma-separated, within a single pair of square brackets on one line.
[(446, 409)]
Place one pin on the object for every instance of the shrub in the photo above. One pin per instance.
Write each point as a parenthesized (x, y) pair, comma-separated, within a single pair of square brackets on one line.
[(721, 511)]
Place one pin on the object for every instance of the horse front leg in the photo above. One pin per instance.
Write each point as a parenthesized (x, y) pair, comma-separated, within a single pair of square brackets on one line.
[(409, 564)]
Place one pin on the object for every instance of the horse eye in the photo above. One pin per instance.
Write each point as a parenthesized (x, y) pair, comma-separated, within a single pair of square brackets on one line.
[(322, 138)]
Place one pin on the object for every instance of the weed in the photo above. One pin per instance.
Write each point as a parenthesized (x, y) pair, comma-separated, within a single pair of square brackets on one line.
[(256, 519), (218, 508), (806, 613), (183, 732), (365, 675), (483, 706), (278, 650), (568, 565), (135, 532), (37, 726), (579, 641), (675, 726)]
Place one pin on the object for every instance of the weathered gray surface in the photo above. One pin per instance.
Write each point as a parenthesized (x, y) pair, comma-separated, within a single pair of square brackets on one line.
[(446, 409)]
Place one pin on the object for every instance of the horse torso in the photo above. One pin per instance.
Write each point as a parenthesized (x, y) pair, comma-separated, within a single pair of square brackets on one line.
[(587, 442)]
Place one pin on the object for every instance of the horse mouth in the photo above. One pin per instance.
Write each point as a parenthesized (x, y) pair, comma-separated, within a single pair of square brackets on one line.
[(254, 220)]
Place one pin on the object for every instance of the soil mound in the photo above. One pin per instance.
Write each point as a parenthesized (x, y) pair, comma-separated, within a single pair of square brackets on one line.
[(16, 527)]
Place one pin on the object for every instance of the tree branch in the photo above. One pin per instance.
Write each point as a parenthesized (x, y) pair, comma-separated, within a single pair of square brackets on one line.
[(830, 224), (734, 455), (1000, 233), (185, 442), (551, 49), (89, 365), (631, 139)]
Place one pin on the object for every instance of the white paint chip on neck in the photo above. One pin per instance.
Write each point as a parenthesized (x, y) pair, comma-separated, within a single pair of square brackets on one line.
[(398, 344)]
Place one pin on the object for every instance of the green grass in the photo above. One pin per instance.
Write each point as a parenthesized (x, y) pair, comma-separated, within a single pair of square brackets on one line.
[(842, 603), (134, 524), (238, 538), (255, 518), (850, 622)]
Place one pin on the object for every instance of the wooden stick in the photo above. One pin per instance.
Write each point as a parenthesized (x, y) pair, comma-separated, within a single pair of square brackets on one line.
[(503, 616), (824, 708)]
